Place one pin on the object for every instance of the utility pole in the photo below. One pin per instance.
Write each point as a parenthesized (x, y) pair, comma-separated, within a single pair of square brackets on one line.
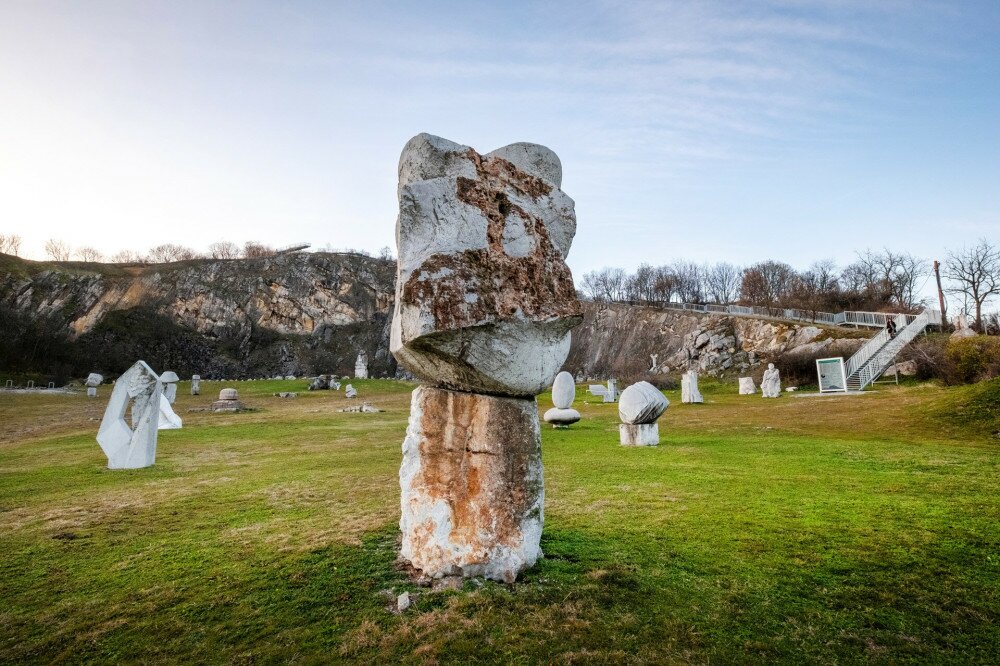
[(937, 275)]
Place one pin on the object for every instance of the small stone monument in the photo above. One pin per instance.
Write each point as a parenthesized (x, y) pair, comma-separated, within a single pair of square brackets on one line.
[(611, 394), (483, 311), (321, 383), (747, 386), (599, 390), (361, 366), (350, 392), (229, 401), (770, 385), (169, 420), (640, 406), (962, 328), (170, 379), (652, 362), (10, 384), (689, 388), (132, 447), (563, 394), (195, 384)]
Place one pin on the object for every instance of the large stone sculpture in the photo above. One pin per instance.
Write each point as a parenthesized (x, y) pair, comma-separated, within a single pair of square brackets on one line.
[(563, 394), (640, 405), (747, 386), (689, 388), (770, 385), (229, 401), (93, 381), (132, 447), (195, 384), (361, 366), (484, 307), (170, 379)]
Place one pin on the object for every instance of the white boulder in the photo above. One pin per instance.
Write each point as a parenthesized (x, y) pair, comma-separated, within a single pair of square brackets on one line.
[(563, 390), (641, 403)]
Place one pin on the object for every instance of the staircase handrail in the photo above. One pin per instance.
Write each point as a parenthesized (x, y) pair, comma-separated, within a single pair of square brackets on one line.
[(883, 357), (856, 317)]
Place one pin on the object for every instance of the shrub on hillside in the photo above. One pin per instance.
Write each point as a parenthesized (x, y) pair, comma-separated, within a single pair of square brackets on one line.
[(972, 360), (796, 369)]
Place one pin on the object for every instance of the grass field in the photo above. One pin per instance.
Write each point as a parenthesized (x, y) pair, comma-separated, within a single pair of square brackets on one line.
[(833, 530)]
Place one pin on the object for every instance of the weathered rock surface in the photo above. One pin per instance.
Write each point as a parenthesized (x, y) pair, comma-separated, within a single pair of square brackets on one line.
[(472, 487), (484, 299), (614, 340), (641, 403)]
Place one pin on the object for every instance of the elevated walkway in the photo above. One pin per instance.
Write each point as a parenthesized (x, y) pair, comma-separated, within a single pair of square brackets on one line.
[(879, 353), (847, 318)]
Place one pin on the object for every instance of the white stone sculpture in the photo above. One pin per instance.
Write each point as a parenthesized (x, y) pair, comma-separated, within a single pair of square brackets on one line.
[(132, 446), (93, 381), (747, 387), (484, 307), (563, 394), (611, 393), (641, 404), (168, 419), (361, 366), (170, 379), (652, 362), (195, 384), (350, 392), (770, 385), (599, 390), (962, 328), (689, 388)]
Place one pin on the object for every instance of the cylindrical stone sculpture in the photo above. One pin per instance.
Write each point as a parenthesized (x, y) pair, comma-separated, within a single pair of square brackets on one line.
[(484, 307), (639, 406)]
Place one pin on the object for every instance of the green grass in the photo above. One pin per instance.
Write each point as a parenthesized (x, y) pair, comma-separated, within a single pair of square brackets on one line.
[(847, 529)]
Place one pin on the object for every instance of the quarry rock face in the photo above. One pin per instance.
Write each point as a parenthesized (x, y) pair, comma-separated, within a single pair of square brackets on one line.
[(472, 487), (484, 299), (483, 312)]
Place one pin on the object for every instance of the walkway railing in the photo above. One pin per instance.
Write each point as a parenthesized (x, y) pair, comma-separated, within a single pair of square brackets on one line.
[(847, 318), (876, 355)]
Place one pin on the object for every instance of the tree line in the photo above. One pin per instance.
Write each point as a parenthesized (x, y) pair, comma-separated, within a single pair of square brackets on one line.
[(877, 281)]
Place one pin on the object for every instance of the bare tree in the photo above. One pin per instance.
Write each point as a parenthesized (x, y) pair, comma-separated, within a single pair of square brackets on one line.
[(722, 282), (884, 278), (127, 257), (13, 244), (689, 282), (224, 250), (253, 250), (974, 272), (162, 254), (816, 288), (767, 283), (57, 250), (89, 254)]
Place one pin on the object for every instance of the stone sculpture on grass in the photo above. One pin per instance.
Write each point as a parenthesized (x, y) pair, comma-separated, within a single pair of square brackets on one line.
[(93, 381), (132, 446), (563, 394), (170, 379), (639, 407), (747, 386), (195, 384), (770, 385), (229, 401), (484, 307), (689, 388), (361, 366)]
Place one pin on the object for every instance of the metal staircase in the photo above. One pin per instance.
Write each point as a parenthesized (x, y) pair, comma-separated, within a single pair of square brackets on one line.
[(880, 352)]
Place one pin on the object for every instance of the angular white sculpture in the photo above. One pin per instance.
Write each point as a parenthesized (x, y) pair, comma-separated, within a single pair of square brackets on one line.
[(599, 390), (361, 366), (747, 386), (195, 384), (350, 392), (170, 379), (689, 388), (770, 385), (484, 307), (132, 447), (563, 394), (611, 393), (168, 418)]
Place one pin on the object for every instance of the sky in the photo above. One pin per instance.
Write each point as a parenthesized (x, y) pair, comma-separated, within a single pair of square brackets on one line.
[(710, 131)]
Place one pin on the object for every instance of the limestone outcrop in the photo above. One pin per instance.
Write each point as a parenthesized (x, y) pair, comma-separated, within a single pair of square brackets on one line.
[(483, 312)]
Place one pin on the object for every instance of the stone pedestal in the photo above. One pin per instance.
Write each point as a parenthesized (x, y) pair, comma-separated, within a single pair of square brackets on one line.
[(91, 392), (472, 487), (639, 434)]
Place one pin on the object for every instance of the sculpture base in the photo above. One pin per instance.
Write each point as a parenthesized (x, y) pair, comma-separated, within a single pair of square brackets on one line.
[(639, 434), (561, 418), (91, 392), (472, 489)]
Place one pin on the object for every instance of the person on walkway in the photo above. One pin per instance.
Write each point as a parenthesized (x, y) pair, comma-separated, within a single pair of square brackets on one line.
[(890, 327)]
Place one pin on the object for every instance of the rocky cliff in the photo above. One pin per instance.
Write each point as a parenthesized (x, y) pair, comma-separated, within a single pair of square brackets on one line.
[(631, 342), (299, 313), (312, 313)]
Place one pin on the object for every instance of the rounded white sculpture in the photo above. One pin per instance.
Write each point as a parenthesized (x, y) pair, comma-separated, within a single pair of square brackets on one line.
[(563, 390), (770, 385), (641, 403), (747, 386), (561, 417)]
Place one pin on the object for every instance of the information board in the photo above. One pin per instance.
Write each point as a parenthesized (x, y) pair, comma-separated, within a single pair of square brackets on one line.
[(832, 376)]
